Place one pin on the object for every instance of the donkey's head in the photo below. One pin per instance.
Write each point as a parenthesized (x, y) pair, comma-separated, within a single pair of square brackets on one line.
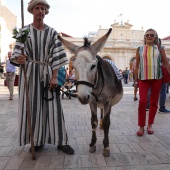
[(85, 64)]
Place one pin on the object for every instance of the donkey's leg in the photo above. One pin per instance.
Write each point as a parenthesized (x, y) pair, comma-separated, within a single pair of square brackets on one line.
[(94, 123), (101, 118), (106, 125)]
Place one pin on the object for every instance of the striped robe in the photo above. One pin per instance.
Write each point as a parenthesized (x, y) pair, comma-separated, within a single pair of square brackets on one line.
[(46, 116)]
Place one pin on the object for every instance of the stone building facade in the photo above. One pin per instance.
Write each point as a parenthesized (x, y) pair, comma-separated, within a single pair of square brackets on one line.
[(121, 45)]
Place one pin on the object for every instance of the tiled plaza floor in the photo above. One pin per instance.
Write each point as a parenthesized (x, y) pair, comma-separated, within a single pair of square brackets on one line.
[(128, 151)]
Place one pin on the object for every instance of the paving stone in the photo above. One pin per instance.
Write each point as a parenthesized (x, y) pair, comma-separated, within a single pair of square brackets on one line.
[(81, 140), (162, 137), (137, 167), (15, 162), (123, 168), (125, 159), (147, 147), (42, 162), (127, 150), (112, 139), (98, 160), (4, 161), (123, 139), (144, 139), (10, 128), (113, 160), (71, 161), (158, 167), (124, 148), (133, 138), (163, 157), (166, 144), (99, 149), (114, 148), (137, 158), (153, 138), (27, 163), (79, 148), (152, 158), (15, 151), (135, 147), (84, 161), (5, 150), (56, 162), (6, 141), (108, 168), (158, 146)]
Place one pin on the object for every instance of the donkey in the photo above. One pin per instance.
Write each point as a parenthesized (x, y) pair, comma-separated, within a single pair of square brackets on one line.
[(97, 84)]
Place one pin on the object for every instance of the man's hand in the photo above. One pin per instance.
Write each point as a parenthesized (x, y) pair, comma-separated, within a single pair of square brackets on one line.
[(53, 83), (21, 59)]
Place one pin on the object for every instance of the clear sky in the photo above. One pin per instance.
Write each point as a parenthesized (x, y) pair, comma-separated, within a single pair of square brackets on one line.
[(78, 17)]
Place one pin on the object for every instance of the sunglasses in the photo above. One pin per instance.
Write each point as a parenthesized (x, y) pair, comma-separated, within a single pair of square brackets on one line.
[(151, 35)]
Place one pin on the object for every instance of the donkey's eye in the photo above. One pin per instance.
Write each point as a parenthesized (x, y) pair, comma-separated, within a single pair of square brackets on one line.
[(93, 66)]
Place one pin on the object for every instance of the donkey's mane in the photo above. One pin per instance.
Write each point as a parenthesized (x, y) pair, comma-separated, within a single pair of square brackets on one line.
[(86, 42)]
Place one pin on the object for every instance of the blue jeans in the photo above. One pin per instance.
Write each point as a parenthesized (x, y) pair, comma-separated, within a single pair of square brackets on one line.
[(162, 97)]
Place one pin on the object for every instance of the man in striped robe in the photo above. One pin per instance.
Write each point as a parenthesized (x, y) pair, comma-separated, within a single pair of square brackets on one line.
[(43, 56)]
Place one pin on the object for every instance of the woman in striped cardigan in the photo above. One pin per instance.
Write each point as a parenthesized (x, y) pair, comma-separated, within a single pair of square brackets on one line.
[(148, 74)]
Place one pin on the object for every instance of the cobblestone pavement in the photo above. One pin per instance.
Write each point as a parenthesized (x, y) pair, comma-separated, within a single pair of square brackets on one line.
[(128, 151)]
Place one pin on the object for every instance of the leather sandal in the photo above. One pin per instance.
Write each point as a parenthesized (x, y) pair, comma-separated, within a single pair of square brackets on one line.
[(150, 132), (140, 133), (67, 149)]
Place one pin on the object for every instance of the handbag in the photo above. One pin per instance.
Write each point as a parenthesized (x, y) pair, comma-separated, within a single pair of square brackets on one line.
[(166, 75)]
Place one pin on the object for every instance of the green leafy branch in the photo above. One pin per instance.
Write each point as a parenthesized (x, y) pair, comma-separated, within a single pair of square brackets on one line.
[(21, 35)]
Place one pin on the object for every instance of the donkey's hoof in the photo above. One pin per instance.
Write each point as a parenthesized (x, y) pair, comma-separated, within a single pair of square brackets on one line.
[(92, 149), (106, 152)]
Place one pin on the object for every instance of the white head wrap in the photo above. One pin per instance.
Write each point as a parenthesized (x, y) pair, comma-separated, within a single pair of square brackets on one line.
[(33, 3)]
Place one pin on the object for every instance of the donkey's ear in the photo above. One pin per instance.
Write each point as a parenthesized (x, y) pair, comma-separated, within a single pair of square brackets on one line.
[(98, 45), (73, 48)]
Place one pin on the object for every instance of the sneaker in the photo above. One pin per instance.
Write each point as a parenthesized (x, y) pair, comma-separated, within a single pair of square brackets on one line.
[(164, 110)]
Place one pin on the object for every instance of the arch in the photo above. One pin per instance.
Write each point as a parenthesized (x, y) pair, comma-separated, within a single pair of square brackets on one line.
[(132, 59)]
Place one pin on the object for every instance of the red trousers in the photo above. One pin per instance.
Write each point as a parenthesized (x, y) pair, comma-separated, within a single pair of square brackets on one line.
[(144, 86)]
